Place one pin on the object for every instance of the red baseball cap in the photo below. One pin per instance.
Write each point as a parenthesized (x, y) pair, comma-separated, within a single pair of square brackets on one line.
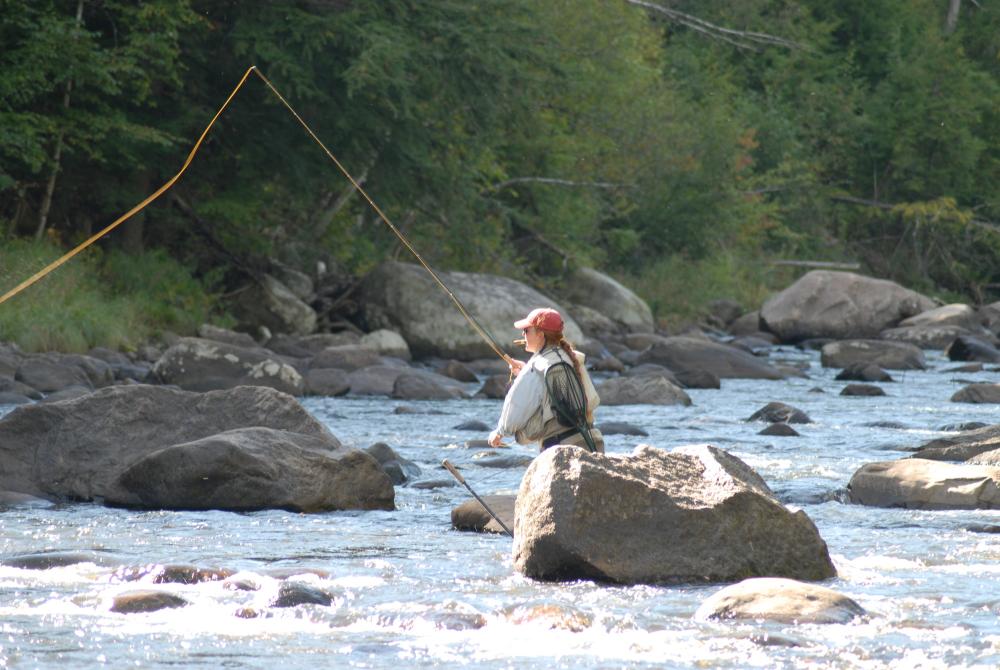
[(543, 318)]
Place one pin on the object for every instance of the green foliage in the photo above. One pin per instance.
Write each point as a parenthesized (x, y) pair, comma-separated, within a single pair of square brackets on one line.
[(118, 301), (678, 288), (500, 135)]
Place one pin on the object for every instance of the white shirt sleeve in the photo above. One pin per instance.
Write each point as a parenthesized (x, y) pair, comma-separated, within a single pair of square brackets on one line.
[(523, 400)]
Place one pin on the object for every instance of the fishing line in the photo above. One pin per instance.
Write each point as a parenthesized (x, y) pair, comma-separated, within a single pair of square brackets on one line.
[(480, 330)]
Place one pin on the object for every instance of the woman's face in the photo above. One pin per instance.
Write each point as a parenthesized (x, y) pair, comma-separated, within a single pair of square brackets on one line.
[(534, 339)]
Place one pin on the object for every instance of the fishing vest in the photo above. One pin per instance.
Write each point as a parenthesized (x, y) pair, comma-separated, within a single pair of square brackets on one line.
[(544, 423)]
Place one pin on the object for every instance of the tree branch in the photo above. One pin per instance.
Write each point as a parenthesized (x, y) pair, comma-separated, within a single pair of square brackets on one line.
[(555, 182), (729, 35)]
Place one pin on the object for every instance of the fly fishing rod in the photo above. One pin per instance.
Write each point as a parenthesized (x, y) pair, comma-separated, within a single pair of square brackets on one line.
[(357, 186), (461, 480)]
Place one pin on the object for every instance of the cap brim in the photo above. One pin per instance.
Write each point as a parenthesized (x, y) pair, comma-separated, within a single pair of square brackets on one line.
[(522, 324)]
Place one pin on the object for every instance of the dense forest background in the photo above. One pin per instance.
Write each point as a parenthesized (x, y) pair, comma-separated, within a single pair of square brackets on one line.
[(687, 147)]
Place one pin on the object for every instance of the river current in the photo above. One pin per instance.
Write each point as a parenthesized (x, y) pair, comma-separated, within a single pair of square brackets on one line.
[(410, 592)]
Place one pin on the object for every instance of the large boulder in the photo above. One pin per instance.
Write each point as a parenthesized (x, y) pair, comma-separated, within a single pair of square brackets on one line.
[(604, 295), (195, 364), (981, 394), (781, 600), (54, 372), (694, 514), (387, 343), (644, 390), (405, 298), (925, 337), (270, 303), (923, 484), (839, 305), (688, 355), (258, 468), (961, 446), (971, 348), (77, 449), (883, 353), (955, 314)]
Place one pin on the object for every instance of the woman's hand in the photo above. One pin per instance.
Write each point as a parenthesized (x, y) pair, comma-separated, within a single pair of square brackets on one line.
[(495, 439), (515, 366)]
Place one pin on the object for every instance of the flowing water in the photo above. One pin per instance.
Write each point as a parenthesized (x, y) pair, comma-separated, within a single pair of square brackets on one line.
[(410, 592)]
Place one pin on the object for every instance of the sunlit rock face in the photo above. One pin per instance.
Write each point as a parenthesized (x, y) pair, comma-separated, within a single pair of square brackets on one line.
[(405, 298), (780, 600), (690, 515), (926, 484), (839, 305)]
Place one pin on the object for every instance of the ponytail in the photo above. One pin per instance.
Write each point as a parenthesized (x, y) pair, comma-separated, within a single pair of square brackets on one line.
[(557, 340)]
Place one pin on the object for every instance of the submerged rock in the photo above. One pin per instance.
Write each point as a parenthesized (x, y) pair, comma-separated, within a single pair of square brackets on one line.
[(779, 429), (399, 469), (694, 514), (471, 515), (779, 412), (979, 394), (923, 484), (134, 602), (781, 600), (293, 593)]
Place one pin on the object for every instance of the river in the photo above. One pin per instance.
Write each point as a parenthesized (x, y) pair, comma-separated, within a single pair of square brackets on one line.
[(410, 592)]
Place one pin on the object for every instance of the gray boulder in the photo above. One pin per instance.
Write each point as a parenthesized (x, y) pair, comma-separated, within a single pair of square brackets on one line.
[(470, 515), (207, 331), (145, 600), (271, 304), (404, 297), (839, 305), (961, 446), (782, 600), (982, 394), (925, 337), (423, 385), (326, 382), (399, 469), (194, 364), (257, 468), (375, 379), (779, 412), (387, 343), (689, 355), (604, 295), (649, 390), (955, 314), (969, 348), (348, 357), (863, 372), (53, 372), (77, 449), (885, 354), (918, 483), (306, 346), (691, 515), (495, 387), (862, 390)]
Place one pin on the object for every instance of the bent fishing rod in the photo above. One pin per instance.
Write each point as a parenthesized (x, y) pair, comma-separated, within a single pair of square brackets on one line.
[(480, 330)]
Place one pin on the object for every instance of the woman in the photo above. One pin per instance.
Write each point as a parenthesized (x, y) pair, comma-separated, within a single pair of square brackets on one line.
[(527, 412)]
